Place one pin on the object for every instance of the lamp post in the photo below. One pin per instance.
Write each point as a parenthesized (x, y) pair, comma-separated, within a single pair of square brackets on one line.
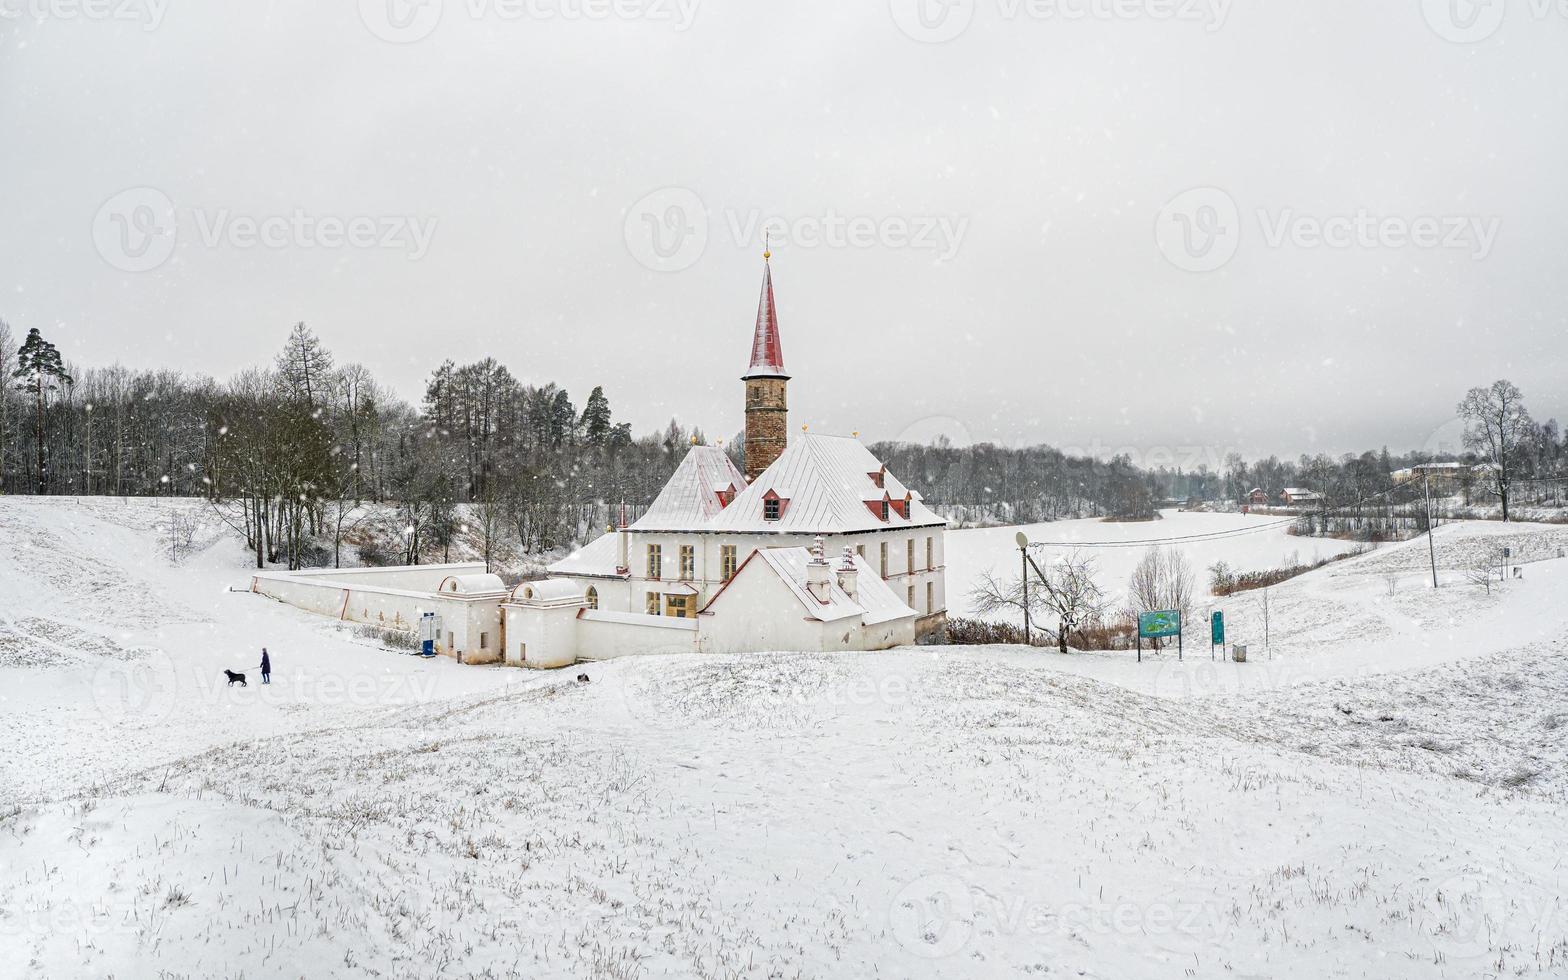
[(1023, 553)]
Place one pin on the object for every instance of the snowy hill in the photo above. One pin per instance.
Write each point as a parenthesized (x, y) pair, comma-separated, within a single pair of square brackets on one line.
[(1383, 797)]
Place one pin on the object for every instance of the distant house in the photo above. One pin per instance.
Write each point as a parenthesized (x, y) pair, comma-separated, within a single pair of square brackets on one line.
[(1258, 497), (1443, 478), (1300, 497)]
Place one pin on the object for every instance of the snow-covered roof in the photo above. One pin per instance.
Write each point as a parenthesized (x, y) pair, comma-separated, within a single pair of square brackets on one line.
[(483, 584), (1300, 492), (597, 558), (549, 591), (827, 481), (691, 498), (873, 603)]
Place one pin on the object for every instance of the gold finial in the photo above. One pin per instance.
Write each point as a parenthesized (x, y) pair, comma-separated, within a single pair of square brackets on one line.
[(804, 428), (856, 433), (767, 245), (693, 440)]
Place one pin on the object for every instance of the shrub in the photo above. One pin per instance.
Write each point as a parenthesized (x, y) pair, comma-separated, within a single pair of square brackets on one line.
[(390, 638), (979, 632)]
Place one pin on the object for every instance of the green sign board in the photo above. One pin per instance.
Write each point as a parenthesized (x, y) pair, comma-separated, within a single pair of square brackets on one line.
[(1217, 629), (1154, 625)]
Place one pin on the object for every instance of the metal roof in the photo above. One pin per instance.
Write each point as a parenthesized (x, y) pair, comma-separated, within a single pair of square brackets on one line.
[(767, 350), (691, 497), (873, 603), (826, 481)]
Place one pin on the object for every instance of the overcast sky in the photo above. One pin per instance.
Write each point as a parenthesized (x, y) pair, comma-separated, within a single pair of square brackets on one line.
[(1181, 226)]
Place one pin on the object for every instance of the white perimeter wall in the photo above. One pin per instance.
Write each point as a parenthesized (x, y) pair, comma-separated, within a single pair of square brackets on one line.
[(394, 598)]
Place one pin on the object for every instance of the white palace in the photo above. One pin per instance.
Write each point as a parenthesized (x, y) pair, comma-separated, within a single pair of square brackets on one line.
[(820, 549)]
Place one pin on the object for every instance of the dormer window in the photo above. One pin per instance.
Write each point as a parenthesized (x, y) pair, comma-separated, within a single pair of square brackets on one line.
[(774, 503), (879, 478), (883, 509)]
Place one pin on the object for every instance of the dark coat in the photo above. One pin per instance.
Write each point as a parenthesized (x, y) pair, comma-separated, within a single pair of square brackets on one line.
[(266, 663)]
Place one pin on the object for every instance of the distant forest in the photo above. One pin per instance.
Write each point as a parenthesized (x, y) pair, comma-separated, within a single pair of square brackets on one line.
[(291, 447)]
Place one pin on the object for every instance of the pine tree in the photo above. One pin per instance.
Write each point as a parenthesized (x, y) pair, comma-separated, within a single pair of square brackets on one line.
[(596, 419), (305, 367), (39, 371)]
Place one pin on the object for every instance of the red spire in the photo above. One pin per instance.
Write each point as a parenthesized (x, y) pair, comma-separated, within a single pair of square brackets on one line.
[(767, 353)]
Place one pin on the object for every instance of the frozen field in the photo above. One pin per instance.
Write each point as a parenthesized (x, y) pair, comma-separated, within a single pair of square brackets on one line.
[(1382, 796), (1249, 543)]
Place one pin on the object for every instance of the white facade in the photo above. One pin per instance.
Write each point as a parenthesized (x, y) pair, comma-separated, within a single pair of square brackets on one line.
[(677, 557)]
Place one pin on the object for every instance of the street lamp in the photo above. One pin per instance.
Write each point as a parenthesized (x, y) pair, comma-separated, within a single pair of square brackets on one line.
[(1023, 551)]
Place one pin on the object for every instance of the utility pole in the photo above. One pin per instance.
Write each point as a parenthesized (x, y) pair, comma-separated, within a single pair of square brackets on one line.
[(1426, 480)]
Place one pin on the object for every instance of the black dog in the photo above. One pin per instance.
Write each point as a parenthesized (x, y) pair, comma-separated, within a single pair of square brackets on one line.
[(236, 677), (582, 678)]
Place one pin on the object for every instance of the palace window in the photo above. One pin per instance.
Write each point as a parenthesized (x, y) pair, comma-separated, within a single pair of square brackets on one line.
[(651, 606), (678, 606), (882, 509), (655, 561), (688, 563), (909, 556), (727, 565), (930, 553), (771, 509), (593, 597), (930, 597), (884, 561), (911, 597)]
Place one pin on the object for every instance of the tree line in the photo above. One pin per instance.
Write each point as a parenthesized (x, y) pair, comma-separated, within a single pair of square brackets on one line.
[(291, 451)]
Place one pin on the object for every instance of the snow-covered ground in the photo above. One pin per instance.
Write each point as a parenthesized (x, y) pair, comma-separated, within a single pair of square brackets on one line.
[(1249, 543), (1380, 794)]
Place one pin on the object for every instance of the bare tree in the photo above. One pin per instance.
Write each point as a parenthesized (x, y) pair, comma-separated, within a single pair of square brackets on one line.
[(1483, 570), (1072, 594), (1496, 424), (1065, 590), (7, 366), (991, 595)]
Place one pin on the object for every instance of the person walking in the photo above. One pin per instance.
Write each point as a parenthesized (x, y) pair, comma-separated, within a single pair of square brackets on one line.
[(266, 667)]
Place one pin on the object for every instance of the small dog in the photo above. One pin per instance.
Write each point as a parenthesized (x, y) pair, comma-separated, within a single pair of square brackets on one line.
[(582, 678), (236, 677)]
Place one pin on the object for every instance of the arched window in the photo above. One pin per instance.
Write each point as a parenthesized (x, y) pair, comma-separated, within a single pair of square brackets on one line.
[(593, 597)]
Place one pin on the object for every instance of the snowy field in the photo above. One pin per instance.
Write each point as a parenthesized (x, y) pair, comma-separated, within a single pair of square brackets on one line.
[(1249, 543), (1380, 793)]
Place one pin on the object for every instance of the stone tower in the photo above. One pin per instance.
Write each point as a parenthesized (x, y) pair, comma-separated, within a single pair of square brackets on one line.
[(767, 406)]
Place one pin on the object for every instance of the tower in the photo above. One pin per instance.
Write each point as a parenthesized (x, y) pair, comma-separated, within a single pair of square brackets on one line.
[(767, 405)]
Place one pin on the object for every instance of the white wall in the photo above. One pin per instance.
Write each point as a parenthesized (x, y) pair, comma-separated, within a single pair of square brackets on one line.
[(603, 636), (366, 596), (548, 634), (629, 596)]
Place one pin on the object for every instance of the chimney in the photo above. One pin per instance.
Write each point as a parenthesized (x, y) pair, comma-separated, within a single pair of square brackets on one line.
[(767, 403), (849, 575), (819, 575), (623, 554)]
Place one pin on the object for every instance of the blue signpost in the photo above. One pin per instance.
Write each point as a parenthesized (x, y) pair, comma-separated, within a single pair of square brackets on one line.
[(1158, 624), (1216, 632)]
